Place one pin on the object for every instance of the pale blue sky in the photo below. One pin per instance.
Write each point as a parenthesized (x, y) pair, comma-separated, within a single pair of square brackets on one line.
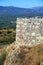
[(21, 3)]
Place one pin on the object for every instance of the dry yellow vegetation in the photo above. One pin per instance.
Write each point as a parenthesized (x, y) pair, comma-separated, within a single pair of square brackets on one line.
[(7, 36), (24, 55)]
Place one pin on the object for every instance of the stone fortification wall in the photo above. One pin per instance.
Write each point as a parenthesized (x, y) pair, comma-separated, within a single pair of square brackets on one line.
[(29, 31)]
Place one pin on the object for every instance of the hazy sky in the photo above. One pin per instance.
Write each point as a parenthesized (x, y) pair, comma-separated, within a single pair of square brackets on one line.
[(21, 3)]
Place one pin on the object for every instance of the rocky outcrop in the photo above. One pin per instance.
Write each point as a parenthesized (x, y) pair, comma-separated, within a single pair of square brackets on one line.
[(24, 55)]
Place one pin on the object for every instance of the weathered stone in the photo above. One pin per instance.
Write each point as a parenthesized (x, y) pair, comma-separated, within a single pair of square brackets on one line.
[(29, 42), (29, 28)]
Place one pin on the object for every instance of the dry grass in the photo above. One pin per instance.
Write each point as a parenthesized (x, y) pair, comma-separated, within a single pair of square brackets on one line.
[(7, 36), (27, 55)]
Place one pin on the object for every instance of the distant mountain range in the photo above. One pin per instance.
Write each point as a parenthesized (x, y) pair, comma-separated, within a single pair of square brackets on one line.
[(9, 14), (21, 12)]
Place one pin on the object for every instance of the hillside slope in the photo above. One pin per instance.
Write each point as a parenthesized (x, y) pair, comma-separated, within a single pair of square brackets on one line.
[(21, 12), (24, 55)]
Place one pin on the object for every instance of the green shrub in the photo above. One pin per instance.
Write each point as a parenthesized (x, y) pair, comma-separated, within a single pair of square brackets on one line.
[(2, 58)]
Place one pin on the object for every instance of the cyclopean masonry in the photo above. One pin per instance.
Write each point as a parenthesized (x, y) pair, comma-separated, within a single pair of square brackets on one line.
[(29, 31)]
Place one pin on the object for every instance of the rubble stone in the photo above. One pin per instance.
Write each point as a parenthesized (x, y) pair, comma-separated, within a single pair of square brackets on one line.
[(29, 31)]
